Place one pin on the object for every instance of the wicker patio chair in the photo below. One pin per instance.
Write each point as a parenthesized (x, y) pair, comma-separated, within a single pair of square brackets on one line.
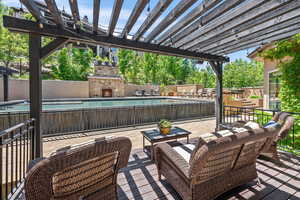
[(208, 169), (85, 171), (286, 121)]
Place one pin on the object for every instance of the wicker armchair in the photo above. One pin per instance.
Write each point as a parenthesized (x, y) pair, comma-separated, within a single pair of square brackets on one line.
[(208, 169), (286, 121), (85, 171)]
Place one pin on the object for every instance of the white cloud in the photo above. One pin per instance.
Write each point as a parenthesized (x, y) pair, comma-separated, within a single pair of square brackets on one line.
[(11, 2)]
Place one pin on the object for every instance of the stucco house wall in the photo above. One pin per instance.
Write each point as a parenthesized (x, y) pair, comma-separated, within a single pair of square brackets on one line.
[(269, 67), (52, 89)]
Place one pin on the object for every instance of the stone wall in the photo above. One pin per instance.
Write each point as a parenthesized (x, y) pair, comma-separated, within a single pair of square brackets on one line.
[(131, 88), (106, 70), (188, 88), (253, 91), (174, 90), (97, 84)]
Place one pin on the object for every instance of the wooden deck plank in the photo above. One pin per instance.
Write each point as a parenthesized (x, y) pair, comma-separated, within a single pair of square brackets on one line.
[(139, 181), (271, 178), (295, 196)]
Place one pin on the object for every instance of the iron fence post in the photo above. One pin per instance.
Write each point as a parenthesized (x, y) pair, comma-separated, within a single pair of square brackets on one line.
[(1, 167)]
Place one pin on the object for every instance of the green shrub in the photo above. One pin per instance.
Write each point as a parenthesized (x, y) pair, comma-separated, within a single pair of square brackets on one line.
[(255, 97)]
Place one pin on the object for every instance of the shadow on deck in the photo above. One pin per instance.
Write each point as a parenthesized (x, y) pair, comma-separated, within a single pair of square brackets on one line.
[(139, 180)]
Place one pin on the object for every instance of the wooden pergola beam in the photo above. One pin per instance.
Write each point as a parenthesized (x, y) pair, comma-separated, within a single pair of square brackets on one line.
[(54, 45), (179, 9), (22, 25), (96, 13), (55, 13), (204, 19), (257, 42), (33, 9), (187, 19), (138, 9), (75, 12), (274, 17), (114, 16), (265, 31), (246, 12), (161, 6)]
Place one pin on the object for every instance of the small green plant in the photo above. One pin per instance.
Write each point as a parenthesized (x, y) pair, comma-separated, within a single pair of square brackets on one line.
[(255, 97), (164, 124)]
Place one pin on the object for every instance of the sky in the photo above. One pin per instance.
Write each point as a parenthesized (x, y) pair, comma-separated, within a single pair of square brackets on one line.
[(86, 8)]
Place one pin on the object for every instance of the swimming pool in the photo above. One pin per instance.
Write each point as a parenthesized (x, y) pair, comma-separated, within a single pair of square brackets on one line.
[(79, 115), (92, 103)]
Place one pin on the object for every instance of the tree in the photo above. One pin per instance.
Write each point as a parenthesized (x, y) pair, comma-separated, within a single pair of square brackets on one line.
[(241, 73), (204, 76), (167, 70), (12, 45), (73, 64), (153, 68)]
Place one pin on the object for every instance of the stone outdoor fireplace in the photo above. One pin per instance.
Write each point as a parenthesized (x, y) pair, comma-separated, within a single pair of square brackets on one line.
[(106, 82), (107, 93)]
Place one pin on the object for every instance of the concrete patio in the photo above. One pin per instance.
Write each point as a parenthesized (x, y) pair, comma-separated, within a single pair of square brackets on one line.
[(196, 127)]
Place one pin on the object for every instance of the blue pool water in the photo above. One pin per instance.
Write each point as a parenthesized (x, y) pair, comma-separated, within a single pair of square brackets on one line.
[(81, 104)]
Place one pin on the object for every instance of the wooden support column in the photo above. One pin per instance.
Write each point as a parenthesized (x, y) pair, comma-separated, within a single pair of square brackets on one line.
[(35, 85), (5, 86), (218, 69)]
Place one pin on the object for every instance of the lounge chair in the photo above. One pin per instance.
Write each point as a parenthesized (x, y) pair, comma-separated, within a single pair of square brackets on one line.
[(138, 93), (209, 168), (85, 171), (286, 121)]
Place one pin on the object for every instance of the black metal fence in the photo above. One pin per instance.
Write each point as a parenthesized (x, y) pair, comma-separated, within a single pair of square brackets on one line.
[(91, 119), (15, 152), (262, 116)]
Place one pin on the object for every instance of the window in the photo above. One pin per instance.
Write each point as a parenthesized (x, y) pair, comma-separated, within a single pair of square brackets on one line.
[(274, 88)]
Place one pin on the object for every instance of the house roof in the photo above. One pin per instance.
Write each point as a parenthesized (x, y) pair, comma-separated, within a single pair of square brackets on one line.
[(255, 52)]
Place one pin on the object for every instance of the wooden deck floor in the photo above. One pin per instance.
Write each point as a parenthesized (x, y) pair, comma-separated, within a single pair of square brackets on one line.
[(139, 181)]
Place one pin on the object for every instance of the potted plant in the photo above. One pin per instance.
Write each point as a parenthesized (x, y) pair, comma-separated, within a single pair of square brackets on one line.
[(164, 126)]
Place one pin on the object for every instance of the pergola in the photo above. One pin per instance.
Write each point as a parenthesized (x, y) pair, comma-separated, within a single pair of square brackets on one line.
[(212, 29)]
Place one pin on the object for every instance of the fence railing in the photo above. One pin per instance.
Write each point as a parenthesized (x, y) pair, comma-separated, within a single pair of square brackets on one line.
[(15, 153), (262, 116), (92, 119)]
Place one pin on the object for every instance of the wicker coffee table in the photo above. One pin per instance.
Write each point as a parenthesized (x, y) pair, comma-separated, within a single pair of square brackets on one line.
[(154, 136)]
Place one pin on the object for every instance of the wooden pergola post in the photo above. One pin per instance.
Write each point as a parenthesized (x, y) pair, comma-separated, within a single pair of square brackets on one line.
[(5, 86), (35, 85), (36, 54), (218, 69)]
